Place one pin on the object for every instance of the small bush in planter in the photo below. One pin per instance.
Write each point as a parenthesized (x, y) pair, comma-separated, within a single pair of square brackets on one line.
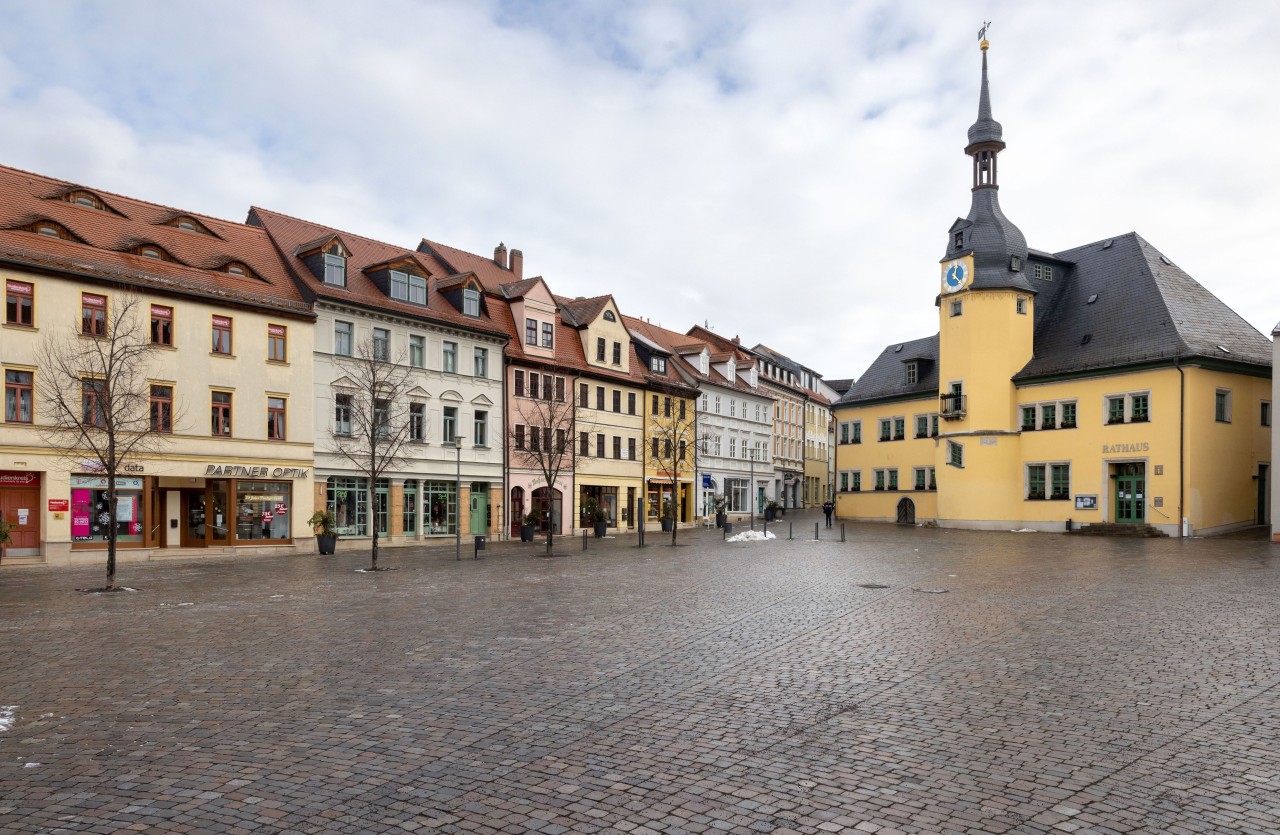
[(529, 526), (323, 525)]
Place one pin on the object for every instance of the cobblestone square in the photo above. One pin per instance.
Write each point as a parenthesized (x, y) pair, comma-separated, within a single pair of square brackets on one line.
[(904, 681)]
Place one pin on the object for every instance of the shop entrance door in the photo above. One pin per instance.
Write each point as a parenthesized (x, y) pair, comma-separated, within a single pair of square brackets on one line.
[(194, 524), (20, 507), (1131, 493), (479, 511)]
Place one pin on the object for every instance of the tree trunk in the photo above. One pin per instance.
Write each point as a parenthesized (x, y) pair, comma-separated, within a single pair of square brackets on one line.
[(549, 535), (112, 499), (373, 523)]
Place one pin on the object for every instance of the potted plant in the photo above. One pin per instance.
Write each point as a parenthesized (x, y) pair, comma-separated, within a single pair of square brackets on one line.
[(322, 524), (771, 511), (668, 516), (529, 526), (595, 516), (719, 504), (601, 522)]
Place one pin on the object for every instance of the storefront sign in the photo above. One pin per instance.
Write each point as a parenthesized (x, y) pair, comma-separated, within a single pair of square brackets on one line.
[(1112, 449), (706, 481), (99, 482), (59, 504), (1086, 502), (241, 471), (12, 477)]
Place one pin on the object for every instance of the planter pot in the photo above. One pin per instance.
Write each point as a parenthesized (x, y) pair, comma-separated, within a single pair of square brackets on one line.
[(526, 533), (666, 525), (326, 544), (770, 514), (601, 529)]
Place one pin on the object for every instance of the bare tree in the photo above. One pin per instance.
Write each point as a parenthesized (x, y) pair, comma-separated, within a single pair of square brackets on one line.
[(97, 398), (543, 438), (379, 419), (670, 436)]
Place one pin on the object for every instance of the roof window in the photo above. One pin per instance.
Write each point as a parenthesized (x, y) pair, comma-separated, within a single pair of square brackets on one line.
[(50, 229), (190, 224), (80, 197), (238, 268), (1093, 298), (152, 251)]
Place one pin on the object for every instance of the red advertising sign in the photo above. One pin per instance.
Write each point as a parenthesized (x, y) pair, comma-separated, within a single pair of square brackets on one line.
[(14, 477), (276, 330), (281, 509), (59, 504), (160, 312), (221, 322), (91, 300)]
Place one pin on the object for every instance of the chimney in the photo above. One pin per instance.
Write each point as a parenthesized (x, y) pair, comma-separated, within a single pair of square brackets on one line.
[(736, 341), (500, 255), (517, 264)]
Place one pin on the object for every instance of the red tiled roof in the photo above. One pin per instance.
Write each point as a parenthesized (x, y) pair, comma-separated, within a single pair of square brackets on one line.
[(670, 340), (289, 232), (107, 236), (456, 260), (581, 312)]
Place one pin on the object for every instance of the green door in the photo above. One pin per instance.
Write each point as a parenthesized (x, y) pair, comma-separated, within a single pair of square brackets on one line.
[(479, 512), (1131, 494)]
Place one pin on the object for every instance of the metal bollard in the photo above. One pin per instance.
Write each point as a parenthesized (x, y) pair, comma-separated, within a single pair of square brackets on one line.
[(584, 539), (815, 530), (789, 531), (842, 531)]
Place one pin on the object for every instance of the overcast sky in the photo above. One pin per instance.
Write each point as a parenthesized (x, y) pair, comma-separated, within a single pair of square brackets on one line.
[(785, 171)]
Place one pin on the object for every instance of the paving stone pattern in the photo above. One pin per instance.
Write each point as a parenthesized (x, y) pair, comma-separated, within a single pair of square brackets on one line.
[(1059, 685)]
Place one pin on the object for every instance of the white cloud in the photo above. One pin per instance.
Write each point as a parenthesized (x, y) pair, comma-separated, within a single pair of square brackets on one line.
[(784, 171)]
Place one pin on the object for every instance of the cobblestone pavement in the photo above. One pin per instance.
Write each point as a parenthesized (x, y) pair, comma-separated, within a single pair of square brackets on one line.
[(1058, 685)]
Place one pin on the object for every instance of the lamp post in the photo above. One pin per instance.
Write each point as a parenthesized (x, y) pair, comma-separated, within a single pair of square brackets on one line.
[(751, 492), (457, 501)]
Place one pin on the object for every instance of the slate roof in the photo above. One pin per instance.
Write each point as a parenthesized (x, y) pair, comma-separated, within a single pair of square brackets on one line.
[(581, 312), (887, 377), (289, 233), (104, 238), (986, 128), (1146, 309)]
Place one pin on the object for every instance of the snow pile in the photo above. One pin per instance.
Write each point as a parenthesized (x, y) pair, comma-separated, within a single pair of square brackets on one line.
[(6, 717), (750, 536), (1024, 530)]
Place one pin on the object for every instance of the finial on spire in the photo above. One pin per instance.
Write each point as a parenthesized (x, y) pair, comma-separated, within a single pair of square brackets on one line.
[(982, 35)]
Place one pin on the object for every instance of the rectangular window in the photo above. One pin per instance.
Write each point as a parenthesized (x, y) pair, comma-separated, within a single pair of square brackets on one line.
[(518, 383), (343, 338), (221, 332), (399, 285), (220, 413), (535, 385), (1266, 413), (1115, 410), (93, 314), (617, 353), (471, 302), (584, 444), (519, 436), (335, 270), (857, 432), (417, 422), (480, 363), (844, 433), (275, 419), (277, 343), (1068, 415), (683, 450), (1139, 410), (600, 398), (342, 414), (919, 477), (631, 449), (912, 374), (19, 303), (19, 396), (418, 290), (161, 325), (631, 403), (1060, 487), (381, 344), (560, 441), (666, 407), (480, 429), (450, 356), (933, 481), (1035, 481), (1022, 305), (417, 350), (548, 338), (382, 418), (893, 479), (855, 481), (617, 400), (535, 440), (899, 428), (599, 349), (1049, 416), (559, 389), (879, 479), (531, 331), (933, 425), (93, 394), (844, 482), (584, 394), (886, 431), (617, 446), (450, 424), (600, 445), (1222, 406), (653, 448), (717, 404), (955, 455), (957, 308), (1028, 418), (922, 426)]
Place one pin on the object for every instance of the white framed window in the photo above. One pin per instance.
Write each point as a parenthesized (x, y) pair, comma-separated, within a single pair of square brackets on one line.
[(417, 350), (480, 363), (471, 302), (449, 357), (343, 337), (335, 269)]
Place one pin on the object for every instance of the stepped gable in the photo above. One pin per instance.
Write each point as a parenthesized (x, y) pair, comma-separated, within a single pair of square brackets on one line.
[(886, 379), (293, 235), (99, 243), (1144, 309)]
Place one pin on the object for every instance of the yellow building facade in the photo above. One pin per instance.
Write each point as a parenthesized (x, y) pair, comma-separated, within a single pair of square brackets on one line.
[(1096, 386)]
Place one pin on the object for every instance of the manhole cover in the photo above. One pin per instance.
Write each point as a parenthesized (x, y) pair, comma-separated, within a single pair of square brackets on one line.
[(931, 591), (872, 586)]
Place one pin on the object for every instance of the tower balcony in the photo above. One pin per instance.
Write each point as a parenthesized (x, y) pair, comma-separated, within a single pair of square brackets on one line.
[(952, 406)]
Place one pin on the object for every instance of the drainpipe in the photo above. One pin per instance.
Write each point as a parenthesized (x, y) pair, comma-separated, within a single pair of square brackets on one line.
[(1182, 442)]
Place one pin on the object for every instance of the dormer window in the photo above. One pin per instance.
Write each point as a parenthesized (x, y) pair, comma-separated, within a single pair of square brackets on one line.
[(471, 302), (609, 317), (1043, 271), (658, 364), (238, 268), (702, 362), (189, 224), (959, 242), (49, 229), (152, 251), (335, 265), (408, 287), (913, 373), (85, 198)]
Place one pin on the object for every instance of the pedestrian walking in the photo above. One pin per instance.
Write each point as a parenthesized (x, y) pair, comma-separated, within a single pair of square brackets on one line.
[(828, 508)]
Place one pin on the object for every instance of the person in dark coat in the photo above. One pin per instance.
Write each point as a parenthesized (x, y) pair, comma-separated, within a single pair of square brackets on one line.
[(828, 508)]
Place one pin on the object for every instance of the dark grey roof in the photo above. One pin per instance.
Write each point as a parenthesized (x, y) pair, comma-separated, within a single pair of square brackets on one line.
[(1145, 309), (986, 129), (887, 376), (840, 385), (994, 241)]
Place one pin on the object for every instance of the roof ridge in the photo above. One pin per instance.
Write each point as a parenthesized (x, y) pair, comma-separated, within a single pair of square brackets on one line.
[(336, 231)]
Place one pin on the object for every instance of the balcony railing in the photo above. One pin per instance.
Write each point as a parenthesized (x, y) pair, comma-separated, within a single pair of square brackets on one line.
[(952, 406)]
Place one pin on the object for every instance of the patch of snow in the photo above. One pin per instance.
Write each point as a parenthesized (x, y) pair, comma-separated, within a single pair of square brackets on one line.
[(750, 536), (30, 765), (6, 717), (186, 604), (931, 591), (276, 596), (1024, 530)]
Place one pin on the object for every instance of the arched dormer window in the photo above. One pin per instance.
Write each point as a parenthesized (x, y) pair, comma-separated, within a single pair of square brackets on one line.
[(189, 224), (238, 268), (152, 251), (51, 229), (335, 264), (609, 317), (80, 197)]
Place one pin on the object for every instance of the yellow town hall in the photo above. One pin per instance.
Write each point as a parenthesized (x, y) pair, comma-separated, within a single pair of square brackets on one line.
[(1101, 385)]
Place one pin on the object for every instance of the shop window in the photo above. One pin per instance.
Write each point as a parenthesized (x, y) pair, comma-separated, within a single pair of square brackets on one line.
[(220, 414), (162, 409), (440, 507), (93, 314), (221, 331), (19, 304), (91, 516), (277, 343), (263, 510), (18, 396), (348, 501), (276, 418), (161, 325)]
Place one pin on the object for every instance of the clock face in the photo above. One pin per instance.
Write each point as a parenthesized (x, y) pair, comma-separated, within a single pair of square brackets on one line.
[(956, 274)]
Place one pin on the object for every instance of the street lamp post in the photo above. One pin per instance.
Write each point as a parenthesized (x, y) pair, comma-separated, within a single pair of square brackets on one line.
[(457, 500), (751, 494)]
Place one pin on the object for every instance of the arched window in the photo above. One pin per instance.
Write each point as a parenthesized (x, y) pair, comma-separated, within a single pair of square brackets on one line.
[(81, 197)]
